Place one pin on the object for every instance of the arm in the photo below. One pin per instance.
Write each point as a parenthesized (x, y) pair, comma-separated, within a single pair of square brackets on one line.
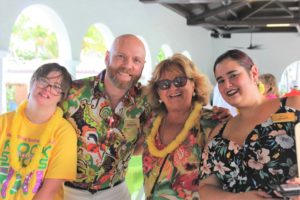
[(222, 114), (210, 189), (49, 189), (139, 147), (294, 102)]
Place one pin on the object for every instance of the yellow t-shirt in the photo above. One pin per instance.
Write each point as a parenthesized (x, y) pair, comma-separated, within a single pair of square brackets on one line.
[(58, 160)]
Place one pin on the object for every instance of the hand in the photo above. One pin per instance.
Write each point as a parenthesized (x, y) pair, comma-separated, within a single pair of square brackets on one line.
[(221, 114), (139, 148), (253, 195), (294, 181)]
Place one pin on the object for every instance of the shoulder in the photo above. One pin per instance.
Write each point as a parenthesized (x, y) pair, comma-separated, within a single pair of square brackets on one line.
[(65, 130), (136, 90), (6, 119), (216, 130), (207, 118), (80, 89), (293, 102), (84, 82), (140, 99), (7, 115)]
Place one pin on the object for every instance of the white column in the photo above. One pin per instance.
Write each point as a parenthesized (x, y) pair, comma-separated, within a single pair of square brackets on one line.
[(3, 54)]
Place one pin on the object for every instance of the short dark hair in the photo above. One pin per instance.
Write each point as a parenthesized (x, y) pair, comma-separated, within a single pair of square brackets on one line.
[(239, 56), (45, 69)]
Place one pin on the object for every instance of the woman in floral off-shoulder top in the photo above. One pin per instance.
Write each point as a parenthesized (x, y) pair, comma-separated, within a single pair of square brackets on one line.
[(254, 151)]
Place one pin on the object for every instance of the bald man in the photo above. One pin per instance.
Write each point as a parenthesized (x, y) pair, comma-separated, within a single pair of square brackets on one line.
[(107, 111)]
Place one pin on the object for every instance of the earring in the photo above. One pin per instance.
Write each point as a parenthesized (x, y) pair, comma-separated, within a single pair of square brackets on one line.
[(160, 101), (194, 94), (261, 87)]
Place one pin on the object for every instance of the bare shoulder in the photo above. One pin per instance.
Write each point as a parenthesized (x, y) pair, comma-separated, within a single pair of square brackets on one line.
[(215, 131), (293, 102)]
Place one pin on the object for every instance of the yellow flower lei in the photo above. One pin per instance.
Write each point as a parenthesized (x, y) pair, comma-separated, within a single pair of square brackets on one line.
[(192, 119), (46, 137)]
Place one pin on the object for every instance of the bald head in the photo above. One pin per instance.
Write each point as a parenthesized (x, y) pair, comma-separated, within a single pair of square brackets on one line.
[(129, 40), (125, 61)]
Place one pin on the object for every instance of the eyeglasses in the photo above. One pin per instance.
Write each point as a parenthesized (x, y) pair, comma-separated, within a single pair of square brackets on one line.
[(177, 82), (55, 89)]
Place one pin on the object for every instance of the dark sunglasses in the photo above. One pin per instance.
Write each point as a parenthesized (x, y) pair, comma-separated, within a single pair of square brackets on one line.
[(177, 82)]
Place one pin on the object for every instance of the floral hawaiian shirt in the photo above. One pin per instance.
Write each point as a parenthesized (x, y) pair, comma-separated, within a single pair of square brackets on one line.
[(106, 137), (266, 159), (179, 177)]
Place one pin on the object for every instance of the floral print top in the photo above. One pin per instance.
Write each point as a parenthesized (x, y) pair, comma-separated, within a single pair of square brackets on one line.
[(106, 137), (266, 159), (179, 177)]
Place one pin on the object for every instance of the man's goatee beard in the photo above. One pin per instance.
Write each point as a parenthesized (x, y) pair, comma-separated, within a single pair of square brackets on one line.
[(118, 84)]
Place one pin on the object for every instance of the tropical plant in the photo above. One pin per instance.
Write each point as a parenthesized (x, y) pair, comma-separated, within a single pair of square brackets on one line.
[(94, 43), (30, 40)]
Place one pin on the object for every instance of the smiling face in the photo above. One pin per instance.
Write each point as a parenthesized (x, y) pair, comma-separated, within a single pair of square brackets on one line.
[(174, 97), (125, 61), (237, 85), (47, 95)]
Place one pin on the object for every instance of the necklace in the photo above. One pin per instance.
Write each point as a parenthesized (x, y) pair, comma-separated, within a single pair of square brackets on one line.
[(17, 170), (190, 122), (46, 135)]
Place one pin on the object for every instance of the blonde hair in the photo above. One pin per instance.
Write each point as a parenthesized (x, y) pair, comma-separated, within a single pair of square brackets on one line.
[(178, 63), (269, 80)]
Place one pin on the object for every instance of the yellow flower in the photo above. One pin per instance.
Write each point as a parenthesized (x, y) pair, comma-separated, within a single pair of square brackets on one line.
[(192, 119)]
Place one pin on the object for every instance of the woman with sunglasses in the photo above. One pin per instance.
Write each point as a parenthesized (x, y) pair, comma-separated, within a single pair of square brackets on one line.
[(177, 131), (254, 152), (37, 145)]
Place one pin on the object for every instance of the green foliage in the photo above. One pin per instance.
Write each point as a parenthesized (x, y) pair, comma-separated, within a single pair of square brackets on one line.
[(93, 42), (161, 55), (10, 97), (30, 41), (134, 177)]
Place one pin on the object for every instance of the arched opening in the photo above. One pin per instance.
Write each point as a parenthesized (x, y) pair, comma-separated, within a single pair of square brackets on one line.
[(147, 71), (38, 37), (96, 42), (290, 75), (187, 54), (164, 52)]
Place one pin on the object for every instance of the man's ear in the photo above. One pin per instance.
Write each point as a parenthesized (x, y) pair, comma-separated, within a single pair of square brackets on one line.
[(107, 58)]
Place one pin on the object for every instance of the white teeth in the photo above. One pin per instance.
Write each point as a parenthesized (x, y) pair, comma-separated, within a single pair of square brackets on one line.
[(175, 95), (124, 74), (231, 92), (44, 95)]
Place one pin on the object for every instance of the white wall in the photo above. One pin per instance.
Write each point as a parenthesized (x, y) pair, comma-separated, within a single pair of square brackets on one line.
[(278, 50), (157, 24)]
